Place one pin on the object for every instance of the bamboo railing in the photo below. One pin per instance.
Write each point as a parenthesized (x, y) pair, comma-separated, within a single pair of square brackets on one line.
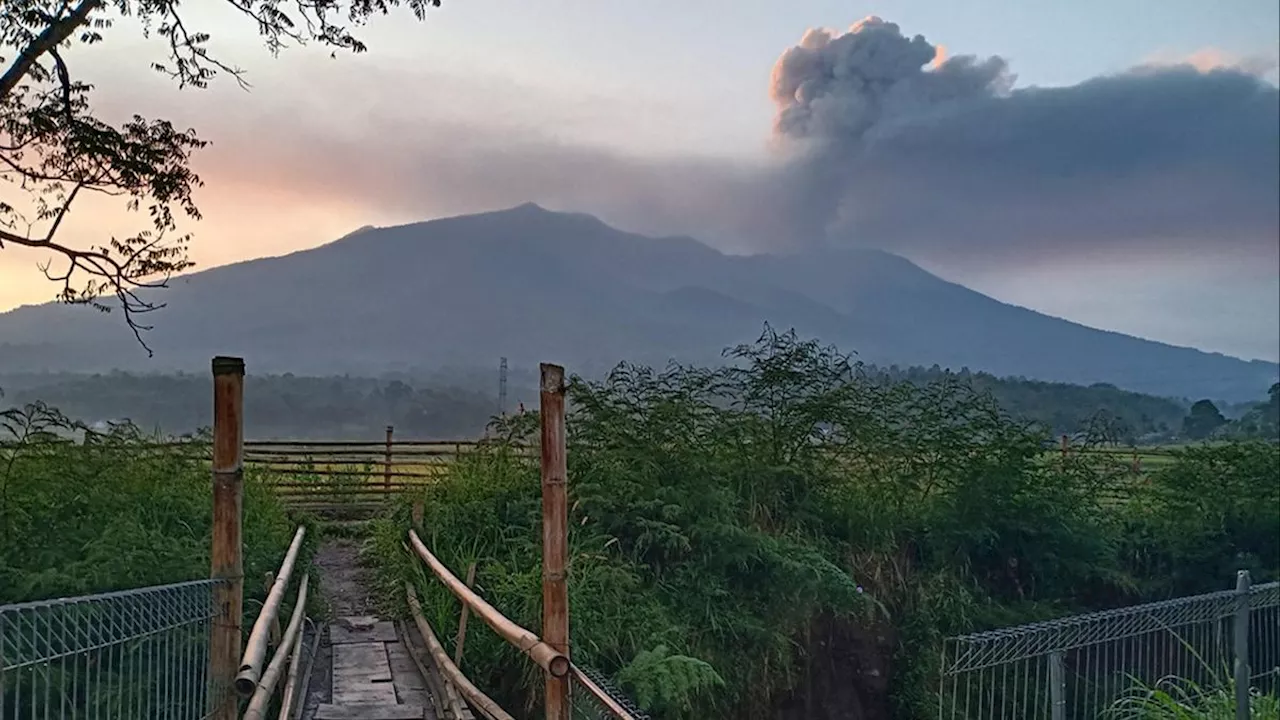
[(542, 654), (545, 656), (286, 654), (255, 649), (447, 668)]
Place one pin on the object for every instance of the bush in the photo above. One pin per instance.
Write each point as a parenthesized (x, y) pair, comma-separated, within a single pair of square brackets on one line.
[(729, 526), (1213, 511), (83, 512)]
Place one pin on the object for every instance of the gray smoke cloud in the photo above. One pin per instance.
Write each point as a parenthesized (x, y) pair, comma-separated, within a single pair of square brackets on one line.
[(898, 148), (881, 143)]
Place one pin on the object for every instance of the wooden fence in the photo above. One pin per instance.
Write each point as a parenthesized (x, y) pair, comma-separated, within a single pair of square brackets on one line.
[(322, 474)]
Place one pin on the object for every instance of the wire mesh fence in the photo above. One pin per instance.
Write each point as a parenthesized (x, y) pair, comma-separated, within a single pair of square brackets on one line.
[(1084, 666), (587, 706), (132, 654)]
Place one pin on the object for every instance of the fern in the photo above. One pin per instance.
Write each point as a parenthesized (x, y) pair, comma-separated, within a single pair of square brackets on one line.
[(660, 680)]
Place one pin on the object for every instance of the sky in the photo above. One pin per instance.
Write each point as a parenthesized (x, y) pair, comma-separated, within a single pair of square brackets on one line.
[(1046, 171)]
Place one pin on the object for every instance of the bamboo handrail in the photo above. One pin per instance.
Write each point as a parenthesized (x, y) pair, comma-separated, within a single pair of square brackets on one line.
[(255, 649), (453, 675), (264, 689), (619, 712), (289, 696), (547, 657)]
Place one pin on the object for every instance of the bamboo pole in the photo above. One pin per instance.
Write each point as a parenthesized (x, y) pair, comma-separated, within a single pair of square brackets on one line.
[(547, 657), (226, 561), (386, 466), (255, 648), (555, 535), (289, 698), (462, 619), (266, 686), (269, 581), (447, 668)]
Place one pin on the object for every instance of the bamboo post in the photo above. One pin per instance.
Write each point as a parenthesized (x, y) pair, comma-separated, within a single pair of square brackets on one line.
[(555, 535), (462, 620), (416, 514), (386, 465), (227, 564), (268, 580)]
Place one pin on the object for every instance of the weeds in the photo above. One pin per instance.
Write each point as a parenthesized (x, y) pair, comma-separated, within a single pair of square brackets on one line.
[(83, 512)]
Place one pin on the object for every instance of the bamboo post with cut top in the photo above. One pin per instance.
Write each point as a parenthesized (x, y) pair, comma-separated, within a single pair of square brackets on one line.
[(386, 463), (226, 561), (555, 535), (268, 581)]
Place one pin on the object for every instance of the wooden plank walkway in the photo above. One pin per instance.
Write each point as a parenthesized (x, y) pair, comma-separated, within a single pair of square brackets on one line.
[(374, 676)]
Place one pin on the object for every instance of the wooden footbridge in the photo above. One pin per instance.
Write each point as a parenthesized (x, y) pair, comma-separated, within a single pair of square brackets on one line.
[(191, 651)]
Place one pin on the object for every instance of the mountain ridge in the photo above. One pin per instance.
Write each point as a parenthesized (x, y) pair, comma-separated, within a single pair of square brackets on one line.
[(532, 284)]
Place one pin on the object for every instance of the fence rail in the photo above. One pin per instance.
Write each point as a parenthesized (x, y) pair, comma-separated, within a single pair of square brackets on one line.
[(136, 653), (1082, 666)]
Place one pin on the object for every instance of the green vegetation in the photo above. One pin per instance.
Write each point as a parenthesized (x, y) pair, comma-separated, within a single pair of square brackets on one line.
[(1203, 420), (113, 510), (458, 404), (789, 532), (1262, 420), (1100, 411)]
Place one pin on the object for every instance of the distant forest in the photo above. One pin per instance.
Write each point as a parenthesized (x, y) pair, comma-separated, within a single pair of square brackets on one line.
[(460, 404)]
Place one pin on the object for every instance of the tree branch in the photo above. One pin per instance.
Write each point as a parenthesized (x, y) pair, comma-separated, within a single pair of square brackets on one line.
[(53, 36)]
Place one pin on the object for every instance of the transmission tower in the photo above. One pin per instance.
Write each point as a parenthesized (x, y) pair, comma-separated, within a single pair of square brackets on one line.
[(502, 388)]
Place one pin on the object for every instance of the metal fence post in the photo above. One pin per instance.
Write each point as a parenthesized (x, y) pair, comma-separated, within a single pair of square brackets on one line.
[(1057, 687), (1240, 644), (226, 559)]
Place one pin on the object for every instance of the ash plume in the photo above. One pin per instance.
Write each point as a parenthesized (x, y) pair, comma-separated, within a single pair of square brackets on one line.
[(895, 147)]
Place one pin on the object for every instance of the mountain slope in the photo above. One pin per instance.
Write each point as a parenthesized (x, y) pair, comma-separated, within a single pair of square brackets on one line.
[(536, 285)]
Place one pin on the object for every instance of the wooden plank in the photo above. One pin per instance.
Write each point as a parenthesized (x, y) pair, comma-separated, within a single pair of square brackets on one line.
[(362, 674), (361, 630), (404, 672), (413, 697), (369, 711)]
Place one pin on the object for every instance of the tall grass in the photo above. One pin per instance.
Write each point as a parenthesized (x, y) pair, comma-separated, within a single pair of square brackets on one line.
[(83, 512)]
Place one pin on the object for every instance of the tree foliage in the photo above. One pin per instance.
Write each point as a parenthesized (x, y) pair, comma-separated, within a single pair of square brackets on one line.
[(55, 149), (1202, 420)]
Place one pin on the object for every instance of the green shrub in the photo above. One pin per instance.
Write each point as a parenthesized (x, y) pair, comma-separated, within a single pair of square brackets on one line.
[(1213, 511), (113, 510), (719, 516)]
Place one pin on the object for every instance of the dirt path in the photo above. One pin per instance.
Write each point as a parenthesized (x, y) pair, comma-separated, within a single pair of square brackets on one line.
[(343, 586), (343, 583)]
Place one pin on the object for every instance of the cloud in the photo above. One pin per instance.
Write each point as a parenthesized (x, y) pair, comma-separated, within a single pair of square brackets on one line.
[(879, 141), (1210, 58), (946, 158)]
